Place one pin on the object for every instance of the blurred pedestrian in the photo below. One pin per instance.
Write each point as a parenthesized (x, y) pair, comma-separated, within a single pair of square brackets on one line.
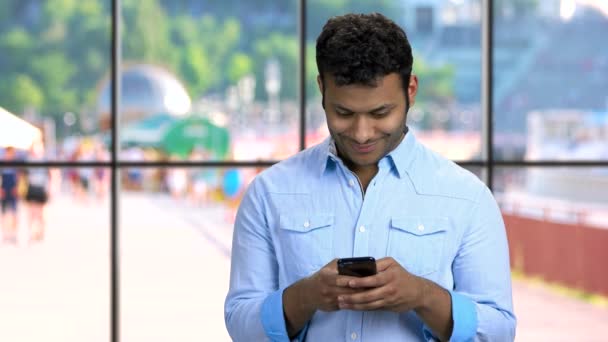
[(177, 180), (101, 176), (8, 198), (38, 180)]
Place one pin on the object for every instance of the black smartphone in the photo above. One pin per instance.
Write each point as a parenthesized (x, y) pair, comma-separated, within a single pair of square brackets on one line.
[(357, 267)]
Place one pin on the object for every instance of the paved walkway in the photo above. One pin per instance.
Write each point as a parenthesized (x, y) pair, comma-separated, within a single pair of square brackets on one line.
[(174, 276)]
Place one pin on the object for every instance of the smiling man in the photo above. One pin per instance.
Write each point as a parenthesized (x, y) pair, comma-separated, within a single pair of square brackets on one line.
[(371, 189)]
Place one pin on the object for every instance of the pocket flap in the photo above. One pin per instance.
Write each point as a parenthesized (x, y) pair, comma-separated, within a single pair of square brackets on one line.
[(421, 225), (305, 223)]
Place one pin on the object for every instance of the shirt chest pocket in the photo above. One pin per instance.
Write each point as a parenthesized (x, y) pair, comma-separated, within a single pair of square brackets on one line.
[(306, 242), (417, 243)]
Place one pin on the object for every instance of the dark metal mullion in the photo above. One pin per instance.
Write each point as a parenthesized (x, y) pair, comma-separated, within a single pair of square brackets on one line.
[(214, 164), (487, 75), (302, 72), (115, 174), (122, 164)]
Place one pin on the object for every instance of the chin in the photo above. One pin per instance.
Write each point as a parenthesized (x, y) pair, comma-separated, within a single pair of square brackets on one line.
[(365, 161)]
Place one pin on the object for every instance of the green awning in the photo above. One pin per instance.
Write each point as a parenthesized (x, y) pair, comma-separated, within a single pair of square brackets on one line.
[(196, 132)]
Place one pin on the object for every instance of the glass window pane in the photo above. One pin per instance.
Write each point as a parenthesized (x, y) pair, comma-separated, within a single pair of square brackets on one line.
[(209, 80), (478, 171), (54, 55), (54, 255), (556, 219), (445, 38), (175, 260), (549, 86)]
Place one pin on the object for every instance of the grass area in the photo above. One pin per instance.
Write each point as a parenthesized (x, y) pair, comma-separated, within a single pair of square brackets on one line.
[(592, 298)]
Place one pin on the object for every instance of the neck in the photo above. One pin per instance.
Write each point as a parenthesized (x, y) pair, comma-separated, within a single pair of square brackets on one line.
[(364, 173)]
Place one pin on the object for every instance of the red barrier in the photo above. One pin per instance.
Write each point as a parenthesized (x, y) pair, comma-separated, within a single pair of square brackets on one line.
[(574, 255)]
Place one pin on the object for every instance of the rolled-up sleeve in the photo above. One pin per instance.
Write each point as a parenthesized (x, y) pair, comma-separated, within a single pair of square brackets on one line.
[(482, 305), (273, 319)]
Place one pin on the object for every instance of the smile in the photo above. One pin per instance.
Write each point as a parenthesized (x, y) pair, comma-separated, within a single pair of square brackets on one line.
[(364, 148)]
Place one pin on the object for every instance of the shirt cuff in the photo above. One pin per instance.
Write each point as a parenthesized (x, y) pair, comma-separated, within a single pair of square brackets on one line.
[(464, 316), (273, 319)]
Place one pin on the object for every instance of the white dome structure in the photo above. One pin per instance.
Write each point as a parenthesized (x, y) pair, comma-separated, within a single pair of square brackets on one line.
[(146, 89)]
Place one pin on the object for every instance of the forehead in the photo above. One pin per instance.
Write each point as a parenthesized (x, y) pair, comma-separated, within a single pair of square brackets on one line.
[(386, 90)]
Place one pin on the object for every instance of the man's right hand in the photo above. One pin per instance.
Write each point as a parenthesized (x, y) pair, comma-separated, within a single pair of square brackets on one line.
[(324, 288), (320, 291)]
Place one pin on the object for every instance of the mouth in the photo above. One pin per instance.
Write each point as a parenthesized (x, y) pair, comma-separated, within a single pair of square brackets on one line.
[(363, 148)]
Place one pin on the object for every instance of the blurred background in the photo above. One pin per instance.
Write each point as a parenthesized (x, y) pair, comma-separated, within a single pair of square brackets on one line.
[(211, 95)]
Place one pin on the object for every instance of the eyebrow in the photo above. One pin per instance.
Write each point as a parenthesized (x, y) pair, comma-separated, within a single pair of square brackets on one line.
[(375, 110)]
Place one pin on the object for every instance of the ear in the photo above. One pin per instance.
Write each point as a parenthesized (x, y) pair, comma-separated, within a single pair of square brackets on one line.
[(412, 89), (320, 83)]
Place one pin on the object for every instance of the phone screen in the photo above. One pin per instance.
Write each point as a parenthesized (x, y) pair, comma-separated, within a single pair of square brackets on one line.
[(357, 267)]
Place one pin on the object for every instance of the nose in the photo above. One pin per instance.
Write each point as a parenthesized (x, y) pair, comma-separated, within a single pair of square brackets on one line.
[(363, 129)]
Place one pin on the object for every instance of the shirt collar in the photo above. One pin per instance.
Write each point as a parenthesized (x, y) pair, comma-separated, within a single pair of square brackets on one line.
[(401, 157)]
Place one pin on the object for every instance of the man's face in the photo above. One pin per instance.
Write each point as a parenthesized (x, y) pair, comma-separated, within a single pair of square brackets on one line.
[(366, 122)]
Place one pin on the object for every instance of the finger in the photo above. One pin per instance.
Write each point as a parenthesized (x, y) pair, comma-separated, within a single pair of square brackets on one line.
[(330, 268), (363, 297), (375, 305), (332, 265), (376, 280), (343, 281), (341, 291)]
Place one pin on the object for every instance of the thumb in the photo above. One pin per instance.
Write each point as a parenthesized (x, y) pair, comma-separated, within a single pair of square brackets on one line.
[(384, 263)]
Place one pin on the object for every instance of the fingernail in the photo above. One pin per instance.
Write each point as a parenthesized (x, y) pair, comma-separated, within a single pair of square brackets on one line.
[(340, 299)]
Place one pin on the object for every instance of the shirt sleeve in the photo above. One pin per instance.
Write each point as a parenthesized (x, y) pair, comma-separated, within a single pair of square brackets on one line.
[(482, 305), (253, 310), (273, 319)]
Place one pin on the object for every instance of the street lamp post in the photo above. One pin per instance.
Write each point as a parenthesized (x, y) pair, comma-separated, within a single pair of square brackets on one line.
[(272, 75), (246, 92)]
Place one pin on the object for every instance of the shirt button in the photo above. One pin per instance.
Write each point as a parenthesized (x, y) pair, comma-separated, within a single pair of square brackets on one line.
[(351, 183), (362, 229), (353, 336), (420, 227), (306, 224)]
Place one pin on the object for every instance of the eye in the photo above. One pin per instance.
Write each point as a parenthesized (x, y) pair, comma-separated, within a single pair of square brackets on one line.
[(381, 114), (343, 113)]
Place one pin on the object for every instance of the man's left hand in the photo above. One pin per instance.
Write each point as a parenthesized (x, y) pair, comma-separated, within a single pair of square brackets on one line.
[(393, 289)]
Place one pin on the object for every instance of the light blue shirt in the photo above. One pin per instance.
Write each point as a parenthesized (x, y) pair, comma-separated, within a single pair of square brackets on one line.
[(436, 219)]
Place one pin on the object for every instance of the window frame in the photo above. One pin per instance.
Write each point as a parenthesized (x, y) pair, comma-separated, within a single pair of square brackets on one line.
[(487, 164)]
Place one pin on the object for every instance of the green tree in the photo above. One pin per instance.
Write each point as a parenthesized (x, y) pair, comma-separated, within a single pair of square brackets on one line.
[(285, 49), (435, 83), (146, 34), (240, 64), (196, 70), (20, 92)]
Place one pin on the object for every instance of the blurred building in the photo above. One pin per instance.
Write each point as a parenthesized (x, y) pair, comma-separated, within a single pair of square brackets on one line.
[(16, 132), (146, 90)]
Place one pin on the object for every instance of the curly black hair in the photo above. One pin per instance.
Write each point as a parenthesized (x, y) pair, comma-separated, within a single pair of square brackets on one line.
[(360, 48)]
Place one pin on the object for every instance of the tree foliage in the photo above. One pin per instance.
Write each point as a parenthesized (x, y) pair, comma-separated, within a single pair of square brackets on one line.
[(54, 53)]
